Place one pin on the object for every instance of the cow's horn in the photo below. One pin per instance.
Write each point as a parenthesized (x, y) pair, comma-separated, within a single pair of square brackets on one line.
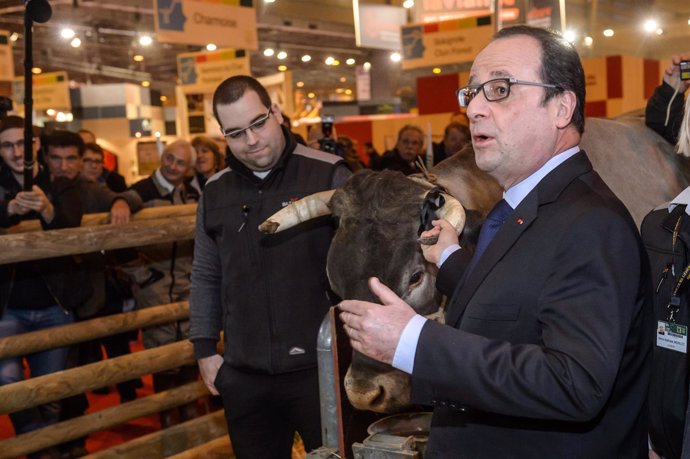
[(452, 211), (312, 206)]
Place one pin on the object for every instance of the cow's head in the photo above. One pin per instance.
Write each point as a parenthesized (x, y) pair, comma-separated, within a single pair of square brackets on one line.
[(379, 221)]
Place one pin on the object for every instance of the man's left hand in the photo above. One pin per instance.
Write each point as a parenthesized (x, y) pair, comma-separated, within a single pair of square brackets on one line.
[(119, 212), (375, 329)]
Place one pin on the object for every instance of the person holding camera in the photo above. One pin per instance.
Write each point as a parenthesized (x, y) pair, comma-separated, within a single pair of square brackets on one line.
[(666, 234), (664, 112)]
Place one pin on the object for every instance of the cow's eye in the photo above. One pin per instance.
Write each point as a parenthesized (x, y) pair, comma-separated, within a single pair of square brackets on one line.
[(416, 277)]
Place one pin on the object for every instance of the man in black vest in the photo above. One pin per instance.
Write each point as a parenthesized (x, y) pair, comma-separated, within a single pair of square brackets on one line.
[(268, 294)]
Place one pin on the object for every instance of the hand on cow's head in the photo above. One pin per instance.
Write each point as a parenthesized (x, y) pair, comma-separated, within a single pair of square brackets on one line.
[(445, 235)]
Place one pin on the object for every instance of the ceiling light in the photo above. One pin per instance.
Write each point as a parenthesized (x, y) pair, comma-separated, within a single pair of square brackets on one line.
[(138, 58), (311, 95), (146, 83), (339, 90), (281, 55), (15, 35), (75, 43), (211, 47), (436, 70), (348, 91), (336, 62), (688, 24), (67, 33), (366, 65), (51, 112), (36, 70), (306, 58), (570, 36), (268, 52), (300, 84), (343, 79), (269, 1), (137, 134), (588, 40), (659, 31), (145, 40), (608, 32), (350, 61), (282, 68), (396, 57), (408, 4), (330, 60), (164, 98), (650, 25)]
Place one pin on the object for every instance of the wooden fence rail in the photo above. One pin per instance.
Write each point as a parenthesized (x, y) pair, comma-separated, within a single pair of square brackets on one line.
[(56, 386), (26, 242), (102, 420), (28, 343)]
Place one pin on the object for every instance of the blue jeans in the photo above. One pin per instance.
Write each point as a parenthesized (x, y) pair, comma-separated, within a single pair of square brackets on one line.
[(14, 322)]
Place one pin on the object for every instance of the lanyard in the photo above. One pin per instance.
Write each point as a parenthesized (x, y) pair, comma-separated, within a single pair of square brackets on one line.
[(674, 303)]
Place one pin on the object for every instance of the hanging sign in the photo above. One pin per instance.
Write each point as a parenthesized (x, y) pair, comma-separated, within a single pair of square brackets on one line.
[(50, 90), (202, 72), (447, 42), (226, 23)]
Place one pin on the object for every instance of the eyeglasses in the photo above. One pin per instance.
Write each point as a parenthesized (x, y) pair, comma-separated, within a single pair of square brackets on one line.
[(10, 146), (494, 90), (255, 126)]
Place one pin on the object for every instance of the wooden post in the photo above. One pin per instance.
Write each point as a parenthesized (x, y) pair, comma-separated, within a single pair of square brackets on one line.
[(66, 335), (56, 386), (104, 419)]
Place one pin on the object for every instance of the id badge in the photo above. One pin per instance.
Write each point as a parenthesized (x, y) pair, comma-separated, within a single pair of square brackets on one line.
[(672, 336)]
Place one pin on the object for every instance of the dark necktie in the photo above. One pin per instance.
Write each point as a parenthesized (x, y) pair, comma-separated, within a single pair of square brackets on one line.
[(489, 229)]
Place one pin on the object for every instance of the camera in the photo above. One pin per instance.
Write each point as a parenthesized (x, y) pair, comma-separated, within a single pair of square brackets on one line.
[(328, 143), (684, 70)]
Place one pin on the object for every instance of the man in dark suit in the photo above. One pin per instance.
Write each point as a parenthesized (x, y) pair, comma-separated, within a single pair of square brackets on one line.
[(546, 347)]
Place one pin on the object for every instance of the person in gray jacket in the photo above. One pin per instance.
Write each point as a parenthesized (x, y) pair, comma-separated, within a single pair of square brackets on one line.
[(266, 293)]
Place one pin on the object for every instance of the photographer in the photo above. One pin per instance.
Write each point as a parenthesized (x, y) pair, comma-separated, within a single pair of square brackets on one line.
[(664, 112)]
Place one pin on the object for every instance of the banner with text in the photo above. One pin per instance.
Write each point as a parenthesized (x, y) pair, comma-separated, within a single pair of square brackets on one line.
[(6, 59), (202, 72), (447, 42), (50, 90), (225, 23)]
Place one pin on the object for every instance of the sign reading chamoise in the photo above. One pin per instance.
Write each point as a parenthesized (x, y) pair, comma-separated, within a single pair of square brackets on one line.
[(225, 23)]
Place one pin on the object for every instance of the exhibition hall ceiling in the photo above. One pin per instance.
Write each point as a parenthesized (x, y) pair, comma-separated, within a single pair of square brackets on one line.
[(109, 32)]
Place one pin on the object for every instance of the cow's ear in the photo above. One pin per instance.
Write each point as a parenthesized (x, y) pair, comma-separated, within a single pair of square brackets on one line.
[(566, 102)]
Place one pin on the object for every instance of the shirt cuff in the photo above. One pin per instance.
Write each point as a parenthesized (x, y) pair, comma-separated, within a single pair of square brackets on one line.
[(204, 348), (448, 251), (403, 359)]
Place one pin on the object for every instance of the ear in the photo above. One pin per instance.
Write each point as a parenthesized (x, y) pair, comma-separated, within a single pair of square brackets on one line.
[(565, 107), (277, 113)]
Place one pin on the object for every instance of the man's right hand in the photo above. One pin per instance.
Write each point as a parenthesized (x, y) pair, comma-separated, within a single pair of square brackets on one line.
[(208, 367), (672, 74)]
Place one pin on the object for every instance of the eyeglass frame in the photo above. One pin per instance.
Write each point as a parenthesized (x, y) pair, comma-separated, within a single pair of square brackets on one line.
[(242, 133), (14, 145), (510, 82)]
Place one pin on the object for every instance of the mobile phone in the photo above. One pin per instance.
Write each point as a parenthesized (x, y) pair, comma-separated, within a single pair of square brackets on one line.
[(684, 70)]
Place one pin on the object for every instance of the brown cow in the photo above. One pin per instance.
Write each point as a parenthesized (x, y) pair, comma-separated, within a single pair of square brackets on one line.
[(379, 218)]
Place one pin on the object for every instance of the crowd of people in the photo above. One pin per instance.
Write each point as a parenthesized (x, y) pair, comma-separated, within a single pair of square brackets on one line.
[(547, 349)]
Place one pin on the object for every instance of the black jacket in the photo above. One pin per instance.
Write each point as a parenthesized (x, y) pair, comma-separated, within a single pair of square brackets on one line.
[(655, 113), (266, 292), (668, 391)]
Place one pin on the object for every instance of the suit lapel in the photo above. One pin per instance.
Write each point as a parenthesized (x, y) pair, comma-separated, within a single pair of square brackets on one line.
[(515, 225)]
